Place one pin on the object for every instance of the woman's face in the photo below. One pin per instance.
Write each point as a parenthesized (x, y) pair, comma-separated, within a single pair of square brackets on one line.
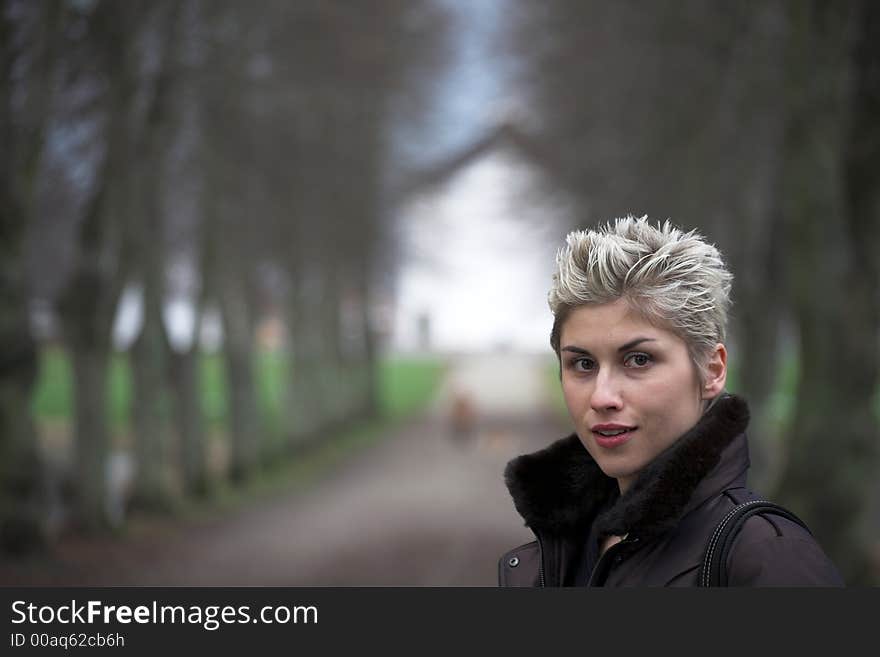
[(631, 388)]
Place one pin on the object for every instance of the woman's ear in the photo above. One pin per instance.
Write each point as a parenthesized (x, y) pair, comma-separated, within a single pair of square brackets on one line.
[(716, 373)]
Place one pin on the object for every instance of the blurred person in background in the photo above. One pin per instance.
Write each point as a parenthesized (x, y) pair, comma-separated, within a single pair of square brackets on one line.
[(659, 456), (463, 417)]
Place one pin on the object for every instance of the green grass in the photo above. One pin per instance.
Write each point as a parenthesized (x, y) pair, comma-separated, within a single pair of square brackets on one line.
[(212, 375), (407, 385), (119, 391), (404, 387), (271, 374), (53, 393), (53, 396), (554, 387)]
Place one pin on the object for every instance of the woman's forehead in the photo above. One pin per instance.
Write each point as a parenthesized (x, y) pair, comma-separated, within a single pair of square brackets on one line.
[(615, 321)]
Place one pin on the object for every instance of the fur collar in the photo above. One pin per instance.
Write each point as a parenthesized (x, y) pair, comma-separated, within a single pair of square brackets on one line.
[(561, 489)]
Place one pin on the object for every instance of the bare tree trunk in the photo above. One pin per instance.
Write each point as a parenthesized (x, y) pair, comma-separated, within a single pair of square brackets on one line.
[(754, 236), (87, 308), (91, 435), (863, 193), (838, 336), (189, 419), (148, 360), (150, 352), (302, 389), (88, 303), (326, 363), (20, 467), (760, 303), (345, 355), (186, 377), (370, 406), (238, 352), (21, 479), (336, 385), (22, 499)]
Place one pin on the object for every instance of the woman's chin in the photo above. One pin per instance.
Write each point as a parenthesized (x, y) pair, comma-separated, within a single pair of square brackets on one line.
[(619, 470)]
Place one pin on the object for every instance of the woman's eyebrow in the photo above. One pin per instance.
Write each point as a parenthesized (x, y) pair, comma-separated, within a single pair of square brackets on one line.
[(628, 345), (633, 343)]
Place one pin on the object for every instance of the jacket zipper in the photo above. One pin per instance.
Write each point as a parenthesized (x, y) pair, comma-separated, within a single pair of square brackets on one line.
[(609, 553), (540, 561)]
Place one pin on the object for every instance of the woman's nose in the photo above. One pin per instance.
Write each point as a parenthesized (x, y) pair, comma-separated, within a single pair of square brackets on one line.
[(606, 393)]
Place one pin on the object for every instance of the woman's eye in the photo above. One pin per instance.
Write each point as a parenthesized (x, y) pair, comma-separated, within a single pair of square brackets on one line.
[(637, 360), (583, 364)]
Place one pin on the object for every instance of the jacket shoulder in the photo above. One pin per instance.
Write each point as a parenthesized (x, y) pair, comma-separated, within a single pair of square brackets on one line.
[(520, 566), (775, 551)]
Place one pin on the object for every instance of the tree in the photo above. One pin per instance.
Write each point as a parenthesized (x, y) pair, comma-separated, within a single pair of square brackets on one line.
[(830, 205), (27, 35), (150, 352), (105, 58)]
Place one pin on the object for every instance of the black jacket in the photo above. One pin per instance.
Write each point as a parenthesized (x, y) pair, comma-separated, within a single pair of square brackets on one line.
[(666, 517)]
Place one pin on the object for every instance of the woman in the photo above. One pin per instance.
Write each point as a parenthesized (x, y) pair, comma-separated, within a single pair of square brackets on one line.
[(659, 454)]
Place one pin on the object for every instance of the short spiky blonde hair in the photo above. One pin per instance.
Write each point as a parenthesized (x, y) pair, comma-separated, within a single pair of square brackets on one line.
[(675, 279)]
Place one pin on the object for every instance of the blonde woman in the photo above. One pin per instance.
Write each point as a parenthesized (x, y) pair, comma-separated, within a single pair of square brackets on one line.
[(659, 456)]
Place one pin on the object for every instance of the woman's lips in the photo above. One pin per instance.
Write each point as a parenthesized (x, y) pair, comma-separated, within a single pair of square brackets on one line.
[(613, 441)]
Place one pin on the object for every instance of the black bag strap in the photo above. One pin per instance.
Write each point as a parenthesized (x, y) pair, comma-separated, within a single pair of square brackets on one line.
[(714, 568)]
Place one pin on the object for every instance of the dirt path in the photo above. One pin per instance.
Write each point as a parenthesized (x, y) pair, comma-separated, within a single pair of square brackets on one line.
[(424, 507)]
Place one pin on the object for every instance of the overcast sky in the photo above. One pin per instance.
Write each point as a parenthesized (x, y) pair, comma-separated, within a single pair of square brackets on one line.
[(479, 258)]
